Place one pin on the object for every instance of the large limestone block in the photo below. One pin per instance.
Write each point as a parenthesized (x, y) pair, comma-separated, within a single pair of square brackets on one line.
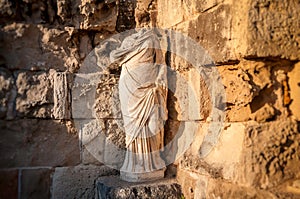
[(230, 30), (188, 98), (224, 158), (270, 154), (95, 95), (31, 142), (257, 90), (102, 141), (98, 15), (273, 29), (77, 182), (88, 15), (35, 47), (192, 184), (34, 94), (211, 29)]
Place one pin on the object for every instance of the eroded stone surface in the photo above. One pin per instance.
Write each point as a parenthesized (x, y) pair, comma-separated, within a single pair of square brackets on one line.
[(48, 47), (77, 182), (270, 154), (32, 142), (294, 84), (103, 141), (113, 187), (34, 94)]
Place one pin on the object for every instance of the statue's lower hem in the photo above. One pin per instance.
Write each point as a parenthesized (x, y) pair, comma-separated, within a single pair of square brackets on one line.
[(142, 177)]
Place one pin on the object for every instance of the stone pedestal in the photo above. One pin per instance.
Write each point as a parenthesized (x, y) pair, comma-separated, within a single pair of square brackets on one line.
[(142, 177), (113, 187)]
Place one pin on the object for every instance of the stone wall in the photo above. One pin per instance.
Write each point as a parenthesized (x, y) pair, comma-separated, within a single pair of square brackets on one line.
[(255, 45)]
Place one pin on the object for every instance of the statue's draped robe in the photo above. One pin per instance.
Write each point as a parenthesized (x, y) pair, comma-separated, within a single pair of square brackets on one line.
[(143, 93)]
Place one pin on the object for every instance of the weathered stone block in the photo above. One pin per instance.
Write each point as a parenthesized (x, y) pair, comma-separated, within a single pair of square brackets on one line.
[(98, 15), (9, 184), (178, 138), (31, 142), (167, 6), (270, 154), (35, 47), (113, 187), (107, 98), (256, 90), (7, 94), (88, 15), (188, 98), (102, 141), (77, 182), (61, 94), (34, 94), (294, 85), (36, 183), (95, 95), (221, 189), (273, 29), (223, 159), (193, 185), (230, 30)]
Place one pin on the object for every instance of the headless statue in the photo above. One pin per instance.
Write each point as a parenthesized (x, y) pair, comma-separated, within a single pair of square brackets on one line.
[(143, 95)]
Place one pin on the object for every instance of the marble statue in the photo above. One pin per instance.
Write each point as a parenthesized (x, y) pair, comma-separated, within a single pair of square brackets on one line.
[(143, 95)]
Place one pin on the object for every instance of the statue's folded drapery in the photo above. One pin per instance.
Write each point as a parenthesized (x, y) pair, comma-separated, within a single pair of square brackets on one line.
[(143, 93)]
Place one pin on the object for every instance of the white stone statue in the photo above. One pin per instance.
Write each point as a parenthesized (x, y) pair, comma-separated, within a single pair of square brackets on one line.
[(143, 95)]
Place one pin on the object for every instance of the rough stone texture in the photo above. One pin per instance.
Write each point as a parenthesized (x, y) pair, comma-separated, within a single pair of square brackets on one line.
[(272, 30), (220, 162), (256, 44), (113, 187), (193, 185), (221, 189), (188, 97), (9, 184), (61, 95), (34, 94), (257, 90), (7, 94), (50, 47), (84, 95), (98, 15), (31, 142), (77, 182), (271, 154), (230, 30), (294, 85), (250, 154), (107, 103), (102, 141), (36, 183)]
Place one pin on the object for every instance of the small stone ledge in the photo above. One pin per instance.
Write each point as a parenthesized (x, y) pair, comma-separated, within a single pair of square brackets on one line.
[(113, 187)]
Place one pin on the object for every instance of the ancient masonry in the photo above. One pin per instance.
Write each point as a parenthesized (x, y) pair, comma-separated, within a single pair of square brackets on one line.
[(255, 45)]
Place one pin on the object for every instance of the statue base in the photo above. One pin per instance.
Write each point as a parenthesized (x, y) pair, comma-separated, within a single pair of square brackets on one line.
[(113, 187), (142, 177)]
